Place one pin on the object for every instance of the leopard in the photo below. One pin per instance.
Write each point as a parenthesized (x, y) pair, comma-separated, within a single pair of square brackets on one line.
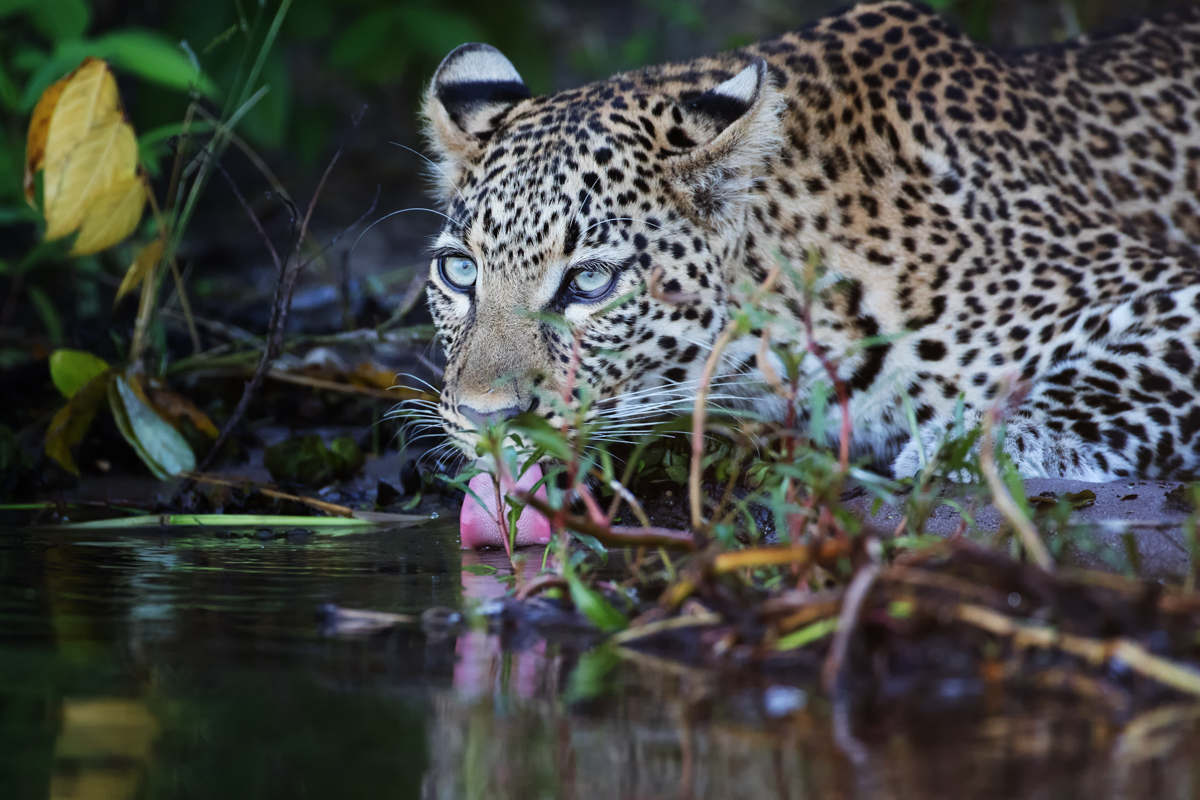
[(995, 228)]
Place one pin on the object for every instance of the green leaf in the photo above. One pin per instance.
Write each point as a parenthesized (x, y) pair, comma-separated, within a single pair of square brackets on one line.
[(808, 634), (10, 7), (678, 473), (155, 58), (148, 55), (163, 450), (60, 20), (306, 460), (590, 677), (10, 97), (351, 456), (364, 39), (480, 569), (593, 605), (72, 369)]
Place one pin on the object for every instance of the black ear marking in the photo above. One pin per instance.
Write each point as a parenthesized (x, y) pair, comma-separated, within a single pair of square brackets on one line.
[(474, 83), (459, 94), (727, 103)]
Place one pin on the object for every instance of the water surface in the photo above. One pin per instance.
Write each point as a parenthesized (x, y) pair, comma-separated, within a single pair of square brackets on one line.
[(136, 665)]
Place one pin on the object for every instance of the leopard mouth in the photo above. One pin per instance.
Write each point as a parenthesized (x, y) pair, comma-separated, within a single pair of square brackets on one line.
[(481, 526)]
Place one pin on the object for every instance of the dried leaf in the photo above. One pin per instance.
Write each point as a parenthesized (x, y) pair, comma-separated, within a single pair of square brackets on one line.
[(143, 263), (1080, 499), (73, 420), (163, 450), (111, 216), (104, 158), (39, 128), (174, 408), (89, 159), (71, 370), (367, 374), (87, 100)]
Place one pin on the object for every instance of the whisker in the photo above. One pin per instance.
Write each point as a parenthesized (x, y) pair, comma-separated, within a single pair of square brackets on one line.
[(418, 380), (394, 213), (435, 165)]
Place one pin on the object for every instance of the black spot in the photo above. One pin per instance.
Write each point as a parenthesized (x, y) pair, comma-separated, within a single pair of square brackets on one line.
[(675, 374), (678, 138), (931, 350)]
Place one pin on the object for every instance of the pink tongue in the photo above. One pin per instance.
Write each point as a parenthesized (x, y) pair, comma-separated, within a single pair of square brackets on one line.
[(477, 524)]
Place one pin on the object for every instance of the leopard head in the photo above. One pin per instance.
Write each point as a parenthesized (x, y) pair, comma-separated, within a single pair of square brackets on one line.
[(590, 235)]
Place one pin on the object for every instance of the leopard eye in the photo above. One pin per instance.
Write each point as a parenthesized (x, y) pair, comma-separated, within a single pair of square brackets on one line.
[(592, 284), (458, 271)]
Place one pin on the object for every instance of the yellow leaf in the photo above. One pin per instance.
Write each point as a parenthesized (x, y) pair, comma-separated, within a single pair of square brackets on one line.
[(39, 127), (88, 100), (95, 729), (143, 263), (105, 157), (111, 216), (73, 420)]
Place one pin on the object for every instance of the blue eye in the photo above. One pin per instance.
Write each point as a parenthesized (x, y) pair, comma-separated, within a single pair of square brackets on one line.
[(458, 271), (592, 284)]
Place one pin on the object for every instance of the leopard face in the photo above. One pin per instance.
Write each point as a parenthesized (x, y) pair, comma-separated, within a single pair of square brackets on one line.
[(588, 241)]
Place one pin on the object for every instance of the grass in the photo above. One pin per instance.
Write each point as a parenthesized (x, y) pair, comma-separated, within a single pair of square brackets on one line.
[(810, 575)]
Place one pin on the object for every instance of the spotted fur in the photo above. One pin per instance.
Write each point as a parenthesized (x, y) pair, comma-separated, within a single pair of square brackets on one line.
[(1029, 217)]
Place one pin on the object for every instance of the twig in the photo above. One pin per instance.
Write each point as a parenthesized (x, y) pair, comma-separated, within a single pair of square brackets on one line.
[(1137, 739), (248, 152), (396, 394), (734, 560), (416, 288), (1096, 651), (856, 595), (320, 505), (674, 623), (616, 535), (284, 287)]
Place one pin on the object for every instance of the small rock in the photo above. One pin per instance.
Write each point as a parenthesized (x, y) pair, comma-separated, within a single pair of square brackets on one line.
[(386, 495), (780, 701)]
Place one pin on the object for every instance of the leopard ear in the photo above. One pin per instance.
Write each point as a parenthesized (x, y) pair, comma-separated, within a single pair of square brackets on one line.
[(733, 129), (467, 98)]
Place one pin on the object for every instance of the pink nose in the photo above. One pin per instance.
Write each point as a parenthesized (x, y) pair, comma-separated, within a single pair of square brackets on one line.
[(478, 526)]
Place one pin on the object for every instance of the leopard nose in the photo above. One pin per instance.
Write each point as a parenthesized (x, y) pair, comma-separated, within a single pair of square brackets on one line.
[(481, 419)]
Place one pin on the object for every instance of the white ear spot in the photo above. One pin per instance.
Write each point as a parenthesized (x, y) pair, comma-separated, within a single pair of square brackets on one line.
[(728, 102), (476, 63), (743, 87)]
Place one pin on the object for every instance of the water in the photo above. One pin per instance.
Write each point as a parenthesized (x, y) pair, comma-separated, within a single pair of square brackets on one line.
[(137, 665)]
